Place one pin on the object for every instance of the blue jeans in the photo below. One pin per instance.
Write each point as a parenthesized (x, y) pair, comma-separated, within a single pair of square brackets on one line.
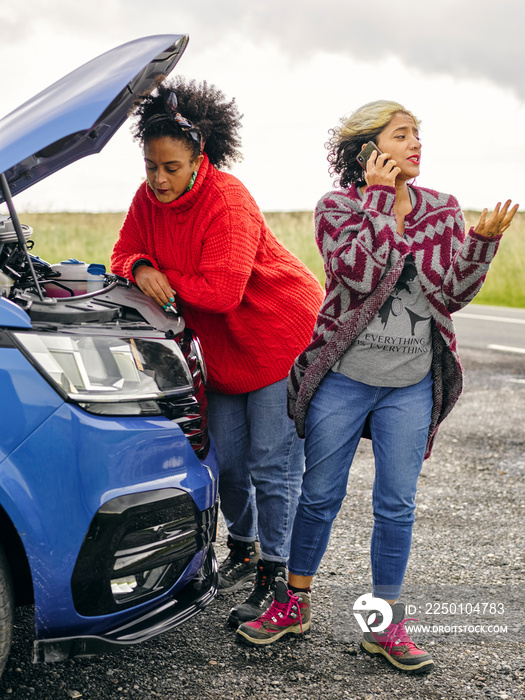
[(261, 463), (399, 423)]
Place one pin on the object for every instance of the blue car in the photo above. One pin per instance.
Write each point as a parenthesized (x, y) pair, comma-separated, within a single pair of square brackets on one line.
[(108, 476)]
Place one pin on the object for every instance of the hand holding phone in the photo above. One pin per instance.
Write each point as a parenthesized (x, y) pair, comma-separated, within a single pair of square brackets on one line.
[(384, 172), (364, 155)]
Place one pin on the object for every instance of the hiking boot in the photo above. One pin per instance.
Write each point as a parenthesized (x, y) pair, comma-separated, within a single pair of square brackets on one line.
[(239, 567), (262, 594), (289, 613), (395, 645)]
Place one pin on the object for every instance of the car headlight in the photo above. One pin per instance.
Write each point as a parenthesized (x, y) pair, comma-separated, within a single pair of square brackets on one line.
[(110, 375), (197, 349)]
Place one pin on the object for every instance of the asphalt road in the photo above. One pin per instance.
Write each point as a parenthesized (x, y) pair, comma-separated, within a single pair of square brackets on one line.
[(468, 549), (492, 328)]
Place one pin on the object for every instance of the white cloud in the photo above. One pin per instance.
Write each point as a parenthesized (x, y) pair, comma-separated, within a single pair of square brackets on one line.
[(295, 69)]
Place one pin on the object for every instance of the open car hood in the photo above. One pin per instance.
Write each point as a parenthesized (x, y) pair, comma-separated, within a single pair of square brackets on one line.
[(77, 115)]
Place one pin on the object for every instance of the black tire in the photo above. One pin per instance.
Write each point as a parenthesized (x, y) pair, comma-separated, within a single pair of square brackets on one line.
[(7, 608)]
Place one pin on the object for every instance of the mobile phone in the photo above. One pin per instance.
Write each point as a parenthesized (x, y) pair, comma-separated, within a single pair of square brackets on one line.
[(364, 155)]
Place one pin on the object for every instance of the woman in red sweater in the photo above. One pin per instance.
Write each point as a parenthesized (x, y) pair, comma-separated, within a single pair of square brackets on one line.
[(194, 236)]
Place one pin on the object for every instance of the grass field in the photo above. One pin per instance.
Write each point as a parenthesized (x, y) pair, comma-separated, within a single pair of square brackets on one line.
[(90, 237)]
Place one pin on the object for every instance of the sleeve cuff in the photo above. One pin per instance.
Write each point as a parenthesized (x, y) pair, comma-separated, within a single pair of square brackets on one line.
[(138, 263), (381, 198), (482, 249)]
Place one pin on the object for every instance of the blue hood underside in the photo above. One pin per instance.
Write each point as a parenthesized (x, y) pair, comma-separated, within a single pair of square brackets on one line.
[(77, 115)]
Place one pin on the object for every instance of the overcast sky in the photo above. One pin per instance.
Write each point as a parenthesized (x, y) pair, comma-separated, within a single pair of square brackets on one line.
[(295, 69)]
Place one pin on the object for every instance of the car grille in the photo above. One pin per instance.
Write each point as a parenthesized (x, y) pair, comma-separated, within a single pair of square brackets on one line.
[(137, 547)]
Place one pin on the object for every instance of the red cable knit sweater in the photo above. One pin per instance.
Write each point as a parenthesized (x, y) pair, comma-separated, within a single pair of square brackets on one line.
[(250, 301)]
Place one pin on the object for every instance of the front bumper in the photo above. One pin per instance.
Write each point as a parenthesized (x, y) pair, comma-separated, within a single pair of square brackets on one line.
[(137, 548), (187, 602)]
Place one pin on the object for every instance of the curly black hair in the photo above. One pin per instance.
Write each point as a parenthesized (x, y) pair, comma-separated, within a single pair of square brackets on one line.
[(342, 157), (215, 118)]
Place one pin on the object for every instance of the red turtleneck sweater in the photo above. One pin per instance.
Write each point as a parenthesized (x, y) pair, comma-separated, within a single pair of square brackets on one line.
[(250, 301)]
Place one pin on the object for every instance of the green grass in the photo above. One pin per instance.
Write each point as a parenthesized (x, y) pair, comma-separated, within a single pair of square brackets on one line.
[(90, 237), (505, 282), (296, 231)]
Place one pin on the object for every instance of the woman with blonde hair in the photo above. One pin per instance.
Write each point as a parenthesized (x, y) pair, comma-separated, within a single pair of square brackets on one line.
[(382, 362)]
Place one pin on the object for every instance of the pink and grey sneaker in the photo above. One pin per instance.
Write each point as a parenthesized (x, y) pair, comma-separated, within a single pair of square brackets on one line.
[(290, 616), (395, 645)]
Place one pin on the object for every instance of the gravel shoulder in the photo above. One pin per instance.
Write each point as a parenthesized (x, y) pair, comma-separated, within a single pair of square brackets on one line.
[(468, 547)]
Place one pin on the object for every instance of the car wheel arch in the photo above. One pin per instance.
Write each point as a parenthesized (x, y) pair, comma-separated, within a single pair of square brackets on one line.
[(17, 560)]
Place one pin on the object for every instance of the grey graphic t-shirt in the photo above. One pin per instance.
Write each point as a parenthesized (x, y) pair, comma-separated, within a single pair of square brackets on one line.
[(395, 349)]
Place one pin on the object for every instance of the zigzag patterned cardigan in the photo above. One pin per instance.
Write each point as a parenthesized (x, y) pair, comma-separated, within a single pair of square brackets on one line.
[(363, 258)]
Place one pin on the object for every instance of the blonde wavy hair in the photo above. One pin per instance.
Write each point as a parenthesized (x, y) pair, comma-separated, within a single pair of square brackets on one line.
[(347, 139)]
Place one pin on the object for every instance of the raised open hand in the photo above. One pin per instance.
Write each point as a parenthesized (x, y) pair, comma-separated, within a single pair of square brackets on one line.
[(497, 222)]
